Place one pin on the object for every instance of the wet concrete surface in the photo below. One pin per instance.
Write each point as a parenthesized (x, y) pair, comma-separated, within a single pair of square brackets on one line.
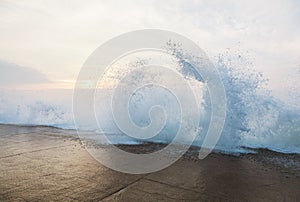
[(48, 164)]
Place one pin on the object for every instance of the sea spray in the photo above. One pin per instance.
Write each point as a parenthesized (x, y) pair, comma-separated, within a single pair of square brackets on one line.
[(254, 117)]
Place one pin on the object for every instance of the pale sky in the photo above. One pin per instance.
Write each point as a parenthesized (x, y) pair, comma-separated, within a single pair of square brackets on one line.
[(55, 37)]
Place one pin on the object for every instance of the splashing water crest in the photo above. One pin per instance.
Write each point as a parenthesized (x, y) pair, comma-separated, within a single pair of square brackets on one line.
[(254, 118)]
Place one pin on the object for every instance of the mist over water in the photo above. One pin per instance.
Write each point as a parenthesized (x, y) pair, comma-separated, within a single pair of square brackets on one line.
[(42, 107), (254, 119)]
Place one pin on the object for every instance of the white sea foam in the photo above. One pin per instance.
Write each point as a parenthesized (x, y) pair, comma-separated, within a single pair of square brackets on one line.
[(254, 117)]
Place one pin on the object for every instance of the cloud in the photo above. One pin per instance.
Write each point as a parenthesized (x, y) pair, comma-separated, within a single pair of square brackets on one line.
[(15, 75), (56, 35)]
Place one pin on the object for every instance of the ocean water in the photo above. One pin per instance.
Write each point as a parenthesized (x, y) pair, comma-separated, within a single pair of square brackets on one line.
[(255, 117)]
